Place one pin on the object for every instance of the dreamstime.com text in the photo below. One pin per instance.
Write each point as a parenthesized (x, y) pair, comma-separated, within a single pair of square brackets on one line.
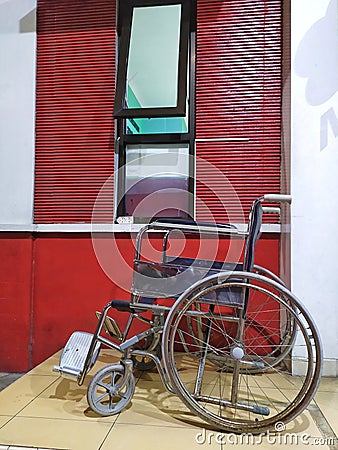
[(273, 438)]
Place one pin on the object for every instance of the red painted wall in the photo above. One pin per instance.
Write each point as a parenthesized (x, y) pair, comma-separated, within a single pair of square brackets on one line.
[(15, 301), (43, 306)]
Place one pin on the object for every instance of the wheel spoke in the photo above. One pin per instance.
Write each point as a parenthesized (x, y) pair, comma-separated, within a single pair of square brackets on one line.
[(101, 397), (103, 385)]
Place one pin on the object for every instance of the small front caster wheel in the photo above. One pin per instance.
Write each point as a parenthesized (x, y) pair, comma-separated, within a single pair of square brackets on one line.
[(108, 393)]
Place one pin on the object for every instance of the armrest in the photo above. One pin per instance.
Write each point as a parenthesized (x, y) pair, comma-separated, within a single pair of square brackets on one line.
[(193, 223)]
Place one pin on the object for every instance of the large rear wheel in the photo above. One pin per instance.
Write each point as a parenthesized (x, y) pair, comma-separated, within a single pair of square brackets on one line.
[(242, 372)]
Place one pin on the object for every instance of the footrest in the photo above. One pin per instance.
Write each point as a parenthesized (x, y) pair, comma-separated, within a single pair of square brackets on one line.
[(74, 355), (110, 326)]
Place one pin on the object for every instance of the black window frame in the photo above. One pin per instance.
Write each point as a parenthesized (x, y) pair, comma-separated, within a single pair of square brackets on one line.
[(122, 136), (125, 14)]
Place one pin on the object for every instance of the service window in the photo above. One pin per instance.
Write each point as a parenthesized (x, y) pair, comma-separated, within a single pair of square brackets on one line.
[(152, 58), (154, 109)]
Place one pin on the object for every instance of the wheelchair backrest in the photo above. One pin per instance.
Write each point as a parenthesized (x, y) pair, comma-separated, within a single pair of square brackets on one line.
[(254, 231)]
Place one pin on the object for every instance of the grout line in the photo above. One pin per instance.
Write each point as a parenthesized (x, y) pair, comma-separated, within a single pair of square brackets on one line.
[(106, 436), (323, 425), (9, 419), (22, 447), (160, 425), (27, 404), (85, 419)]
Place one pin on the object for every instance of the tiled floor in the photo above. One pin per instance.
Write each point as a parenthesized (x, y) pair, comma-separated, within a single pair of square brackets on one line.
[(42, 410)]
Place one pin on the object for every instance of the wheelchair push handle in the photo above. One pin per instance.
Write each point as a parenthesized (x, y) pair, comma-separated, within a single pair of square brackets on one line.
[(271, 210), (278, 198)]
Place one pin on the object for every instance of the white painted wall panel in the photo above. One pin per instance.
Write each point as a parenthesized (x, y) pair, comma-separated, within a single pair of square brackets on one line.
[(17, 106), (314, 164)]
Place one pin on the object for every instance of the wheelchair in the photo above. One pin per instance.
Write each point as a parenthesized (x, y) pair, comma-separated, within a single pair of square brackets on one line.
[(228, 338)]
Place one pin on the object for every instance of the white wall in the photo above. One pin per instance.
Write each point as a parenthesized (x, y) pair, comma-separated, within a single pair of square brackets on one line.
[(314, 166), (17, 106)]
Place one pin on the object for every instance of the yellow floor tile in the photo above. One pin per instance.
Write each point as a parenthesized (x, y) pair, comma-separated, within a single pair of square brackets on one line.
[(153, 405), (52, 412), (152, 376), (273, 380), (22, 392), (328, 384), (46, 367), (4, 420), (327, 402), (105, 358), (266, 442), (64, 399), (56, 434), (303, 423), (128, 436)]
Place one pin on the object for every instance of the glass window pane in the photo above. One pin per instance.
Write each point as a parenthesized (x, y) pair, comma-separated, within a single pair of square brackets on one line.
[(153, 60), (157, 180), (158, 125)]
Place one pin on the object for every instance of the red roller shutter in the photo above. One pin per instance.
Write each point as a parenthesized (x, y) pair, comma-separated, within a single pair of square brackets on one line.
[(74, 104), (238, 95)]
